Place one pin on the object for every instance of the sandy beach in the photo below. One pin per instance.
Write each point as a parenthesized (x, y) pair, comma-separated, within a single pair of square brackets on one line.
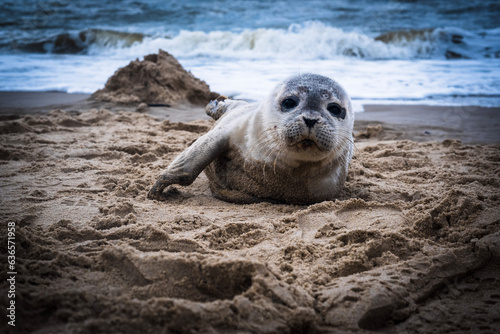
[(411, 246), (98, 97)]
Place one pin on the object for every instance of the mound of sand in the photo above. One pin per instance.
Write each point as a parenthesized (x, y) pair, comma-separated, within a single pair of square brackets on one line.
[(411, 246), (158, 79)]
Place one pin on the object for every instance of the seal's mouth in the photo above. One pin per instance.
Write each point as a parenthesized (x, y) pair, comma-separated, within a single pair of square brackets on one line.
[(307, 144)]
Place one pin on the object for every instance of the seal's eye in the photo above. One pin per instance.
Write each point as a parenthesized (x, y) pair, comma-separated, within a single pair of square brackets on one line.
[(336, 110), (289, 103)]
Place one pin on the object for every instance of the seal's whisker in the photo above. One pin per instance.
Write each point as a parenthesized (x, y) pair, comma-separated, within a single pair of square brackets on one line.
[(266, 140), (267, 154), (350, 141), (275, 160), (263, 143), (262, 140), (265, 159)]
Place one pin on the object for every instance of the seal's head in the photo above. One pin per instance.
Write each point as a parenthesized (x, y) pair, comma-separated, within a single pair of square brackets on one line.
[(312, 117)]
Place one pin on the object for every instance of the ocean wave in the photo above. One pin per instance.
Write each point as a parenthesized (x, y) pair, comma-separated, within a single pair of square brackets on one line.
[(83, 41), (313, 40)]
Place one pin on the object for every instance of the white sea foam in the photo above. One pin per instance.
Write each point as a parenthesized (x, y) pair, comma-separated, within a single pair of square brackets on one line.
[(315, 40)]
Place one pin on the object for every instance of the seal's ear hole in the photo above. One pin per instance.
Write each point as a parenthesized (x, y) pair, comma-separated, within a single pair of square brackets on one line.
[(336, 110), (289, 103)]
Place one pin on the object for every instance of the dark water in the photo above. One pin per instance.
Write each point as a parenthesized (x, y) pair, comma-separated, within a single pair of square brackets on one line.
[(206, 16), (29, 25)]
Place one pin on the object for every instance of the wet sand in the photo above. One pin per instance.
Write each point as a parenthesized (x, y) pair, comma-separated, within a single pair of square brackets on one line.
[(470, 124), (33, 102), (412, 245)]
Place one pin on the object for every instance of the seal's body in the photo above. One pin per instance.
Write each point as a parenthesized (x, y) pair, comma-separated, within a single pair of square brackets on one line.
[(295, 147)]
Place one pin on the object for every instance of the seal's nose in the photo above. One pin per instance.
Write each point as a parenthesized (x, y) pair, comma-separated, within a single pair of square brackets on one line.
[(310, 122)]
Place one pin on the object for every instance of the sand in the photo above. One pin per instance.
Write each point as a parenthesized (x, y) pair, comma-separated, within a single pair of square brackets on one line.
[(411, 246), (157, 79)]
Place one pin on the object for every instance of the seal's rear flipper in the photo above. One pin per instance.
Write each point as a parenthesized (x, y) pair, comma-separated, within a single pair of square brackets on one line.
[(216, 108), (220, 106), (190, 163)]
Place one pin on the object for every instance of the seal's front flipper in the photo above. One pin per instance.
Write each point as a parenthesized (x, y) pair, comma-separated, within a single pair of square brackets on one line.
[(190, 163), (220, 106)]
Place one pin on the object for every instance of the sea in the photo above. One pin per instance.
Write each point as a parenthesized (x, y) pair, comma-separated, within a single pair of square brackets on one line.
[(382, 52)]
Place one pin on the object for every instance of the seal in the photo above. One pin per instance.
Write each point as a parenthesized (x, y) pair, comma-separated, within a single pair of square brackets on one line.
[(294, 147)]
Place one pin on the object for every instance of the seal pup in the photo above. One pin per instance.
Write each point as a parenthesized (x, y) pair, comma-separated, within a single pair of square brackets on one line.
[(294, 147)]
